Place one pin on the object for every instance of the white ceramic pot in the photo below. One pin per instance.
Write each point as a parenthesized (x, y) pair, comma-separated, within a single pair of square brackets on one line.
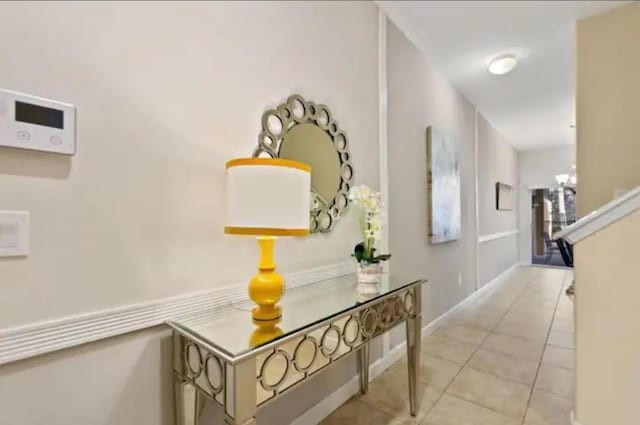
[(369, 278)]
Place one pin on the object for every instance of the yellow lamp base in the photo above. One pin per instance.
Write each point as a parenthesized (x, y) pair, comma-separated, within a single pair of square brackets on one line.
[(265, 331), (266, 287)]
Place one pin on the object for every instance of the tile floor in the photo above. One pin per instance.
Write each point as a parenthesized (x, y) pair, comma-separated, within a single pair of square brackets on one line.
[(505, 360)]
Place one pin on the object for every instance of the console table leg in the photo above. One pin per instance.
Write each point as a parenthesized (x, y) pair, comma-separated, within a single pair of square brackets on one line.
[(363, 360), (241, 402), (414, 336), (413, 361), (187, 399)]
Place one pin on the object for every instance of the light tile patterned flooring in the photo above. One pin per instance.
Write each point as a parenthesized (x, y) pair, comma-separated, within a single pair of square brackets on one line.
[(505, 360)]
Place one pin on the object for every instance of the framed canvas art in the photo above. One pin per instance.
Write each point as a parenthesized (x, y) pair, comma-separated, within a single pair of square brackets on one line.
[(504, 197), (443, 177)]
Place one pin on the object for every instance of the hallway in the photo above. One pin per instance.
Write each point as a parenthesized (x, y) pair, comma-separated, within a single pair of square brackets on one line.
[(507, 359)]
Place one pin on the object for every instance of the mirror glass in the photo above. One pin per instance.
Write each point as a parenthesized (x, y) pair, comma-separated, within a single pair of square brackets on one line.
[(311, 145), (307, 132)]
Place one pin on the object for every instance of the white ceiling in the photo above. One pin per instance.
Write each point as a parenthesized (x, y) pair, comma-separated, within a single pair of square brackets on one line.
[(533, 106)]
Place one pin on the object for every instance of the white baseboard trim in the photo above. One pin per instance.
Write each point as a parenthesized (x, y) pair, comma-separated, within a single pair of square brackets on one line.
[(22, 342), (340, 396), (547, 266), (494, 236), (337, 398)]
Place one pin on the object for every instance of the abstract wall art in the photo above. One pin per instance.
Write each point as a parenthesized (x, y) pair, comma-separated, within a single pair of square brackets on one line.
[(443, 177)]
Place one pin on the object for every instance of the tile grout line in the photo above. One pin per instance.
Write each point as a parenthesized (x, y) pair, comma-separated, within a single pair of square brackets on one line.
[(535, 380), (535, 275), (358, 397), (527, 284)]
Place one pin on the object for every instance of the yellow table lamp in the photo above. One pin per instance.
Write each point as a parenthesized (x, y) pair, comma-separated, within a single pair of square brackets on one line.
[(267, 197)]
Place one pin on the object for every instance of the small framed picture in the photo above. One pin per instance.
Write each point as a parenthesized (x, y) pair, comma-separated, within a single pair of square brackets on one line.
[(504, 197)]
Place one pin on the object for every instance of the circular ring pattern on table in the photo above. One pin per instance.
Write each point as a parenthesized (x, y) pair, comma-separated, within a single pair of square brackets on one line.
[(323, 346), (408, 302), (187, 359), (369, 331), (297, 110), (215, 388), (398, 308), (351, 342), (265, 365), (386, 313), (296, 361)]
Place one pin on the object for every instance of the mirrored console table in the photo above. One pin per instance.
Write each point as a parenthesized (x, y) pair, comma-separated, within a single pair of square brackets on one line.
[(222, 356)]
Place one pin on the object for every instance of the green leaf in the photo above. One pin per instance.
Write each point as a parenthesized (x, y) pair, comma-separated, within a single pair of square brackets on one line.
[(383, 257), (358, 252)]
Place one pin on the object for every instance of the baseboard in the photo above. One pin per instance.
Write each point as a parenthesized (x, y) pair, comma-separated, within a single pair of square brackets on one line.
[(340, 396), (337, 398), (547, 266), (22, 342)]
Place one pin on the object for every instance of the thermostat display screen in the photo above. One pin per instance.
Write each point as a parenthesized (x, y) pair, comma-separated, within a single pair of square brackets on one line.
[(39, 115)]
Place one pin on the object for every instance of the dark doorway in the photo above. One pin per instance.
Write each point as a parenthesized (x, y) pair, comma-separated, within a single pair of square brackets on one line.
[(552, 210)]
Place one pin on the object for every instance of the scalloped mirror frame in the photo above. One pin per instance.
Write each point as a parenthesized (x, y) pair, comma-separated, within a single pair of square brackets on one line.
[(276, 123)]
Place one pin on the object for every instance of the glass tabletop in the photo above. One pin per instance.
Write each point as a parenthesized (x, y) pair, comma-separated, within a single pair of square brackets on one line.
[(230, 329)]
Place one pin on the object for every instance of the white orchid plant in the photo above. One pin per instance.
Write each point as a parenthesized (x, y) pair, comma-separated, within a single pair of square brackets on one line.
[(368, 205)]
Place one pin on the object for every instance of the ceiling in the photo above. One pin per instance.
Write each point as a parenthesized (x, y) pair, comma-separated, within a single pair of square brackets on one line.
[(533, 106)]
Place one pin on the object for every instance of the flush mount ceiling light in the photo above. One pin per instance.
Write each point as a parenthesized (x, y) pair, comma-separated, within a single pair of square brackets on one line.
[(502, 64)]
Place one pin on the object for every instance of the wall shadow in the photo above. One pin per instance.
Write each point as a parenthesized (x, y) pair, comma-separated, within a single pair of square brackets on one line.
[(21, 162)]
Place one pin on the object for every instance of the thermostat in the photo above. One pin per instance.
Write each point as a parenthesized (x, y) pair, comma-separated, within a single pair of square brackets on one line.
[(35, 123)]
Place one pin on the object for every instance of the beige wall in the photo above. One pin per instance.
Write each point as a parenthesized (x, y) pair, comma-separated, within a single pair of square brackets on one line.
[(607, 325), (166, 93), (418, 97), (538, 169), (608, 159), (497, 162), (608, 103)]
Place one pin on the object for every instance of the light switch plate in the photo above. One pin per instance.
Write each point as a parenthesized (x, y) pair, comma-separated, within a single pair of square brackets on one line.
[(14, 233)]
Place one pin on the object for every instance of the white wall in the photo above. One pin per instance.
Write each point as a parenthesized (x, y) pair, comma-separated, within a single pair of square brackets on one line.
[(497, 162), (166, 93), (537, 169), (418, 97)]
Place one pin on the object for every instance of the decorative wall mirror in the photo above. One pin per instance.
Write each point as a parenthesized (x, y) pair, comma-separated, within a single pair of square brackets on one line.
[(307, 132)]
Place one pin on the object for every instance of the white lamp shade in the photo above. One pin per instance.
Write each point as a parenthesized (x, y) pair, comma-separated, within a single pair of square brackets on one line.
[(268, 196)]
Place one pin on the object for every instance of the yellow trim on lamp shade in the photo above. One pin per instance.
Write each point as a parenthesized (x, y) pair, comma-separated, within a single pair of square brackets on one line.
[(266, 231), (270, 162)]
